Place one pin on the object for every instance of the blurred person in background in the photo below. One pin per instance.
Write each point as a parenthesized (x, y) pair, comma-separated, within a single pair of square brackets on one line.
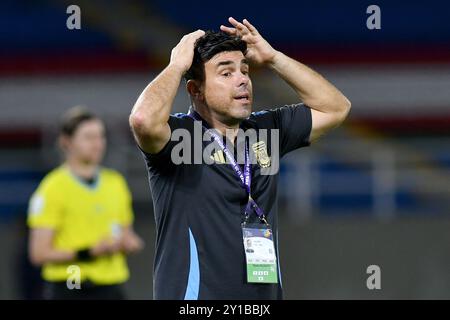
[(81, 215)]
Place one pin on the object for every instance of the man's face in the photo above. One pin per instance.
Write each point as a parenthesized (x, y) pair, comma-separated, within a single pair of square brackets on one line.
[(227, 87), (88, 143)]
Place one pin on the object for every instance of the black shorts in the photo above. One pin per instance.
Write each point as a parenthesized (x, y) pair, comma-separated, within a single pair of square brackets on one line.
[(87, 291)]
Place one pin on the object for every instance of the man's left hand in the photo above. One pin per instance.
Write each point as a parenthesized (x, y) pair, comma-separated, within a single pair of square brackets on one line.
[(259, 51)]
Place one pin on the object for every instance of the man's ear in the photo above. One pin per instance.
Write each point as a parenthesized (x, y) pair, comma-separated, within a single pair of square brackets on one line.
[(194, 89)]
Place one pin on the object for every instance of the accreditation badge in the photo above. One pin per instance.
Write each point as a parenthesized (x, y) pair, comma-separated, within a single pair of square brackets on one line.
[(260, 255)]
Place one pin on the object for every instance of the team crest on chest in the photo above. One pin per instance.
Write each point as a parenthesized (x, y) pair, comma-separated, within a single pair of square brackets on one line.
[(260, 150)]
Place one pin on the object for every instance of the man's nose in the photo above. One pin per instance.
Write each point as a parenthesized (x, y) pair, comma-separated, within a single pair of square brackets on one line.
[(243, 80)]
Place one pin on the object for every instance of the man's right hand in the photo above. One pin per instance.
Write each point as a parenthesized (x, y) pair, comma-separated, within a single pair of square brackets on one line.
[(151, 112), (183, 54)]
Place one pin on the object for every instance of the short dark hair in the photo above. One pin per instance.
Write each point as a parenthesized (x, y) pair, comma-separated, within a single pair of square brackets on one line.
[(207, 46), (72, 119)]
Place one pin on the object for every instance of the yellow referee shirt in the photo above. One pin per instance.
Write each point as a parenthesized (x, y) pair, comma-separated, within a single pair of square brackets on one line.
[(81, 216)]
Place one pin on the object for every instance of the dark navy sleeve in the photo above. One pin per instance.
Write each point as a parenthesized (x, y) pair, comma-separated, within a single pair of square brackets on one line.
[(163, 157), (293, 122)]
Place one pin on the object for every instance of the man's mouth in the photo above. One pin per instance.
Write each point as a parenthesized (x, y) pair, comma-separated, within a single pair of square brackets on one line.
[(244, 97)]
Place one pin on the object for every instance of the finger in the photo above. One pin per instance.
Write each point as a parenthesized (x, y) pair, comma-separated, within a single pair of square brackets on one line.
[(193, 35), (238, 25), (249, 26), (197, 34), (196, 31), (228, 29)]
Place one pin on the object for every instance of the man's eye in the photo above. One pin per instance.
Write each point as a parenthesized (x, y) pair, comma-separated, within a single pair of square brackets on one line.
[(226, 74)]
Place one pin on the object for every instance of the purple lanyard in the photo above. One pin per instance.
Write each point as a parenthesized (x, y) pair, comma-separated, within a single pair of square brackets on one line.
[(245, 177)]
